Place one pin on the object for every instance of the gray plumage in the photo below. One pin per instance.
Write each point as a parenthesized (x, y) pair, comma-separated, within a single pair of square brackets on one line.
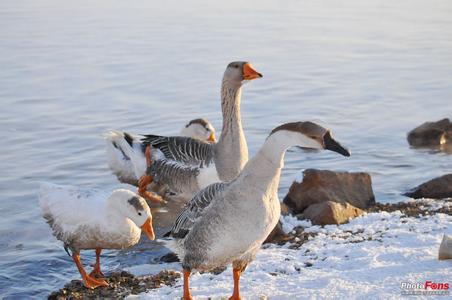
[(228, 222), (193, 209), (137, 203), (191, 160), (179, 177), (182, 149)]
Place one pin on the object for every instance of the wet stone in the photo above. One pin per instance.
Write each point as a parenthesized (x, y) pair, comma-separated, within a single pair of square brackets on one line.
[(121, 284)]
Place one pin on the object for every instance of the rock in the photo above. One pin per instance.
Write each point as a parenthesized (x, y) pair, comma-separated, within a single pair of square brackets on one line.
[(322, 185), (414, 209), (285, 210), (330, 212), (445, 249), (121, 284), (277, 235), (437, 188), (431, 134), (169, 258)]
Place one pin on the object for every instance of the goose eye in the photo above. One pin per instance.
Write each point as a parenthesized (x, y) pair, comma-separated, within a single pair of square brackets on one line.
[(139, 213)]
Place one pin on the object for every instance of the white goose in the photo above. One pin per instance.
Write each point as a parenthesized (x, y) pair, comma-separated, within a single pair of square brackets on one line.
[(91, 219), (227, 222), (187, 165), (123, 167)]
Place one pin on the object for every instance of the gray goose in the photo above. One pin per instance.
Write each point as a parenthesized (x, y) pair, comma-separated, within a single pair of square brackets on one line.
[(123, 167), (187, 165), (227, 222)]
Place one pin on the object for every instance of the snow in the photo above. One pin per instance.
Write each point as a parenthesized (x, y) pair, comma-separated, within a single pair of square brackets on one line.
[(289, 222), (299, 176), (367, 258)]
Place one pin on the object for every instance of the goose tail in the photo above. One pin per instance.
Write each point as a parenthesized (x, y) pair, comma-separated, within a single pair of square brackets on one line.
[(125, 156)]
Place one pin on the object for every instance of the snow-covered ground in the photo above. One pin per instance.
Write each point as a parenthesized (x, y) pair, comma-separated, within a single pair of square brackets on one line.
[(367, 258)]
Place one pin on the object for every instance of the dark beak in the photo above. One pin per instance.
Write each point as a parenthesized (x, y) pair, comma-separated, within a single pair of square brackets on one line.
[(333, 145)]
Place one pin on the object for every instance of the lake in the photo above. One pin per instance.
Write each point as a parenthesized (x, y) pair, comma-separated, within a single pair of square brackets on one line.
[(69, 71)]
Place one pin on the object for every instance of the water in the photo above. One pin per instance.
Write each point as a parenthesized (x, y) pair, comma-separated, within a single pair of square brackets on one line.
[(370, 70)]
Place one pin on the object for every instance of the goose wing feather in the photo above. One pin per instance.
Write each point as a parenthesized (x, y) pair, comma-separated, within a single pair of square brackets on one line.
[(193, 210), (182, 149)]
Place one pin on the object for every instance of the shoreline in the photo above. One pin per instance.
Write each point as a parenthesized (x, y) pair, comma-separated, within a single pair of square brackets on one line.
[(123, 284)]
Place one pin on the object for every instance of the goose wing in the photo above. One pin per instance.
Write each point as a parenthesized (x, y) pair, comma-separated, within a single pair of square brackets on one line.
[(194, 209), (178, 176), (67, 207), (182, 149)]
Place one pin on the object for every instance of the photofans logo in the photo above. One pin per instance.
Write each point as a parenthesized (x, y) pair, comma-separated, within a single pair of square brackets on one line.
[(425, 288)]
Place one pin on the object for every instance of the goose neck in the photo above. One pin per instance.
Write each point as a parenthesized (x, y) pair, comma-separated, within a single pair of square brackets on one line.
[(230, 106)]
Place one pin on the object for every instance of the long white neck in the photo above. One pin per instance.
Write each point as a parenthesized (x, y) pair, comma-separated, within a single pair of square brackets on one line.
[(231, 149), (263, 171)]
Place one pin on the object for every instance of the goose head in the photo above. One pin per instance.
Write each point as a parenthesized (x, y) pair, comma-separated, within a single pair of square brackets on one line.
[(306, 135), (200, 129), (134, 207), (238, 72)]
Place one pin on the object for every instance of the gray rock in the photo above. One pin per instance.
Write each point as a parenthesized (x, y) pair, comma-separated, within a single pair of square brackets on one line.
[(431, 134), (445, 249), (437, 188)]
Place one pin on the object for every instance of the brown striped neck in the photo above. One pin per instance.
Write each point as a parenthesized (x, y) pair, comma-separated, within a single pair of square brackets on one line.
[(231, 93), (231, 149)]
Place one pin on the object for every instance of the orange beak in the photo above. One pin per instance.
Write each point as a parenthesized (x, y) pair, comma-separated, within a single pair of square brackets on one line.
[(212, 138), (249, 73), (148, 230)]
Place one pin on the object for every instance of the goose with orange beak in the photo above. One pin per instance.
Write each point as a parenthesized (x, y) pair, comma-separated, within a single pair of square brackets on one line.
[(187, 165), (125, 169), (90, 219), (227, 222)]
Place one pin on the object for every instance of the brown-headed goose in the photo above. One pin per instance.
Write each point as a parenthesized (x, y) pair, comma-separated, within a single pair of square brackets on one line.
[(91, 219), (187, 165), (126, 169), (227, 222)]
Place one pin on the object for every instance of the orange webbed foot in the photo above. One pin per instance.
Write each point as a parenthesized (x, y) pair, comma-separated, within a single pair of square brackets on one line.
[(152, 197), (92, 283), (143, 183), (96, 273)]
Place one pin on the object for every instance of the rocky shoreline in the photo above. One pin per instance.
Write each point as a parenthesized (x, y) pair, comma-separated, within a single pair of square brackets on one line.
[(123, 284)]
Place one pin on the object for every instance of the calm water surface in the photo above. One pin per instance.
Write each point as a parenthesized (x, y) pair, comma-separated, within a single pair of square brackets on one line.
[(370, 70)]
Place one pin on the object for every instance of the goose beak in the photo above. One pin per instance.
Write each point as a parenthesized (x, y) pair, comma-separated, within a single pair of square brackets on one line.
[(212, 138), (148, 230), (333, 145), (249, 73)]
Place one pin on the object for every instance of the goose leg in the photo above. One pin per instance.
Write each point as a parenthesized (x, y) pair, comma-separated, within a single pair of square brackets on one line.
[(145, 180), (187, 295), (96, 272), (236, 275), (88, 281)]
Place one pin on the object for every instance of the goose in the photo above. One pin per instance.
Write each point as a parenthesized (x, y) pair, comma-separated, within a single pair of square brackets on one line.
[(91, 219), (122, 166), (227, 222), (187, 165)]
